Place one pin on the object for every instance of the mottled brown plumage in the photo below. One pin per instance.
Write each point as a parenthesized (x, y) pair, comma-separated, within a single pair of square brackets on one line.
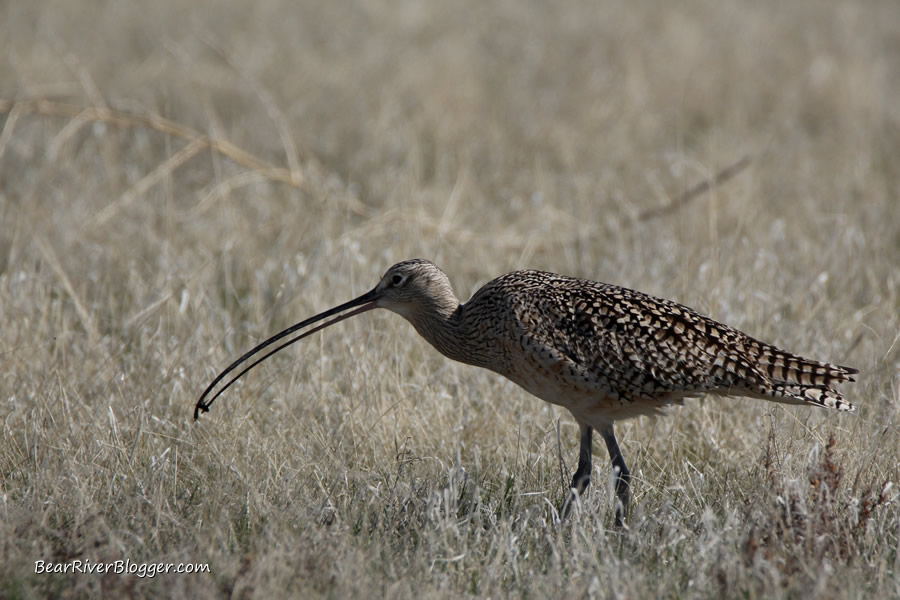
[(604, 352)]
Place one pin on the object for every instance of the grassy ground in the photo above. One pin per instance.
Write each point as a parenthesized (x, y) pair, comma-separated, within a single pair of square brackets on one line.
[(197, 176)]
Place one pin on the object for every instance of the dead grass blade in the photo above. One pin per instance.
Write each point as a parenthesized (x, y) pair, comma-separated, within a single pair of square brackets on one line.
[(84, 314), (101, 114), (148, 181), (80, 115), (14, 113), (699, 189)]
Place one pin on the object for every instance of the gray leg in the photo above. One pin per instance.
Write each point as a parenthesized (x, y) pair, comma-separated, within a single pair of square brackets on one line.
[(582, 477), (623, 475)]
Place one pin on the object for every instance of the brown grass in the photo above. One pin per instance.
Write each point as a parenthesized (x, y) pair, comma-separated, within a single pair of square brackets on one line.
[(179, 180)]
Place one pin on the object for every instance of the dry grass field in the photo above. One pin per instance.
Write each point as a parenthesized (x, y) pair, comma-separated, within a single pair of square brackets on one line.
[(179, 180)]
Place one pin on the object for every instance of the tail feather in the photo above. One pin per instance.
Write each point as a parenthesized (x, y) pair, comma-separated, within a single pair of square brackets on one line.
[(806, 381), (784, 366), (819, 396)]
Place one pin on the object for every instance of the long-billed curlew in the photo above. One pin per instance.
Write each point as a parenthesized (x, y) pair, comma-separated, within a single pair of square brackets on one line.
[(604, 352)]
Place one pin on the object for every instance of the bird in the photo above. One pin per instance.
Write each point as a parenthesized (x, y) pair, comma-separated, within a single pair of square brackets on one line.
[(604, 352)]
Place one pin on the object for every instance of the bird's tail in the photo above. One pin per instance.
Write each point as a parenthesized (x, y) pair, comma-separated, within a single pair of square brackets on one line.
[(804, 380)]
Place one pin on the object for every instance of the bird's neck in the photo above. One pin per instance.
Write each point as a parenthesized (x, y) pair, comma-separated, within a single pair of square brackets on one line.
[(442, 325)]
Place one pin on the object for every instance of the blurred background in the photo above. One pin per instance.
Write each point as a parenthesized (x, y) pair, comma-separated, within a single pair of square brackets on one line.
[(180, 180)]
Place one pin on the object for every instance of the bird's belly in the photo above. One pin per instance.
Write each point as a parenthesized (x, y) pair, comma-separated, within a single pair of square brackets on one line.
[(588, 405)]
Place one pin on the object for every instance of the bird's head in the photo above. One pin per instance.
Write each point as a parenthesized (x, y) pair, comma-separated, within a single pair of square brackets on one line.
[(413, 287)]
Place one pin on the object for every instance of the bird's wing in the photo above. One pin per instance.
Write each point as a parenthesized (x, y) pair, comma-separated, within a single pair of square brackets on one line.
[(631, 345)]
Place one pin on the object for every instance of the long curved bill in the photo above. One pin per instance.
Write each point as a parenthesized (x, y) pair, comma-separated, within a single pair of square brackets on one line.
[(365, 302)]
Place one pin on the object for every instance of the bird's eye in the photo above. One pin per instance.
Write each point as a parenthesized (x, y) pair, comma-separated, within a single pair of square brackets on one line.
[(397, 279)]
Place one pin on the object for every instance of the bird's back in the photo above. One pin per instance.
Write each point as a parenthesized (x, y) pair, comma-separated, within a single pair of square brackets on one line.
[(567, 340)]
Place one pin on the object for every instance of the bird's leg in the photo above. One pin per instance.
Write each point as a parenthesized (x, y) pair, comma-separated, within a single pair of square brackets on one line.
[(582, 476), (623, 475)]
